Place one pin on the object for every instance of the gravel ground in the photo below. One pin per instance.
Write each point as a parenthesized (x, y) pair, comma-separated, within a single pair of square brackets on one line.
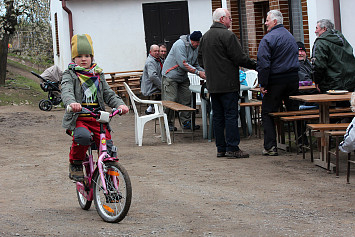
[(178, 190)]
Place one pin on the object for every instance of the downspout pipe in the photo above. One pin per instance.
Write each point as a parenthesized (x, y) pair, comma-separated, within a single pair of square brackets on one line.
[(337, 19), (70, 18)]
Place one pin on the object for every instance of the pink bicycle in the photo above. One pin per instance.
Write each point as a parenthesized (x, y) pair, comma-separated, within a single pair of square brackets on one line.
[(105, 181)]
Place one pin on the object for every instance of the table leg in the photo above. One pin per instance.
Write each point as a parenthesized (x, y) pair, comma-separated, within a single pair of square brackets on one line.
[(193, 115), (324, 140), (204, 118), (247, 113)]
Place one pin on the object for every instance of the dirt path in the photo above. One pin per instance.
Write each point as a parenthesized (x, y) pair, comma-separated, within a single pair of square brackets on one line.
[(178, 190)]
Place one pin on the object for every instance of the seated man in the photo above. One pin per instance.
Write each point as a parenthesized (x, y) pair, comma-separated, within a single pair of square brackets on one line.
[(305, 76), (151, 79), (305, 72), (162, 52)]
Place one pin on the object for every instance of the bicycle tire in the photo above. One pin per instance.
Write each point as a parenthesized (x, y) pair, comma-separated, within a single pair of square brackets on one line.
[(112, 207), (83, 202)]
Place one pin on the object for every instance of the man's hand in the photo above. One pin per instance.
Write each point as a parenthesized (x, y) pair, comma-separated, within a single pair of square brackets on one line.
[(124, 109), (263, 91), (202, 74), (192, 70)]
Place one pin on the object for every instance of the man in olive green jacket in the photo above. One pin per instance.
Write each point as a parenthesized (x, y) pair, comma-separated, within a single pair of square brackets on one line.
[(333, 59)]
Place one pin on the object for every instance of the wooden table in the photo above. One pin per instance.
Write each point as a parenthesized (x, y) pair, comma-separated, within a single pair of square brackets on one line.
[(132, 78), (324, 101)]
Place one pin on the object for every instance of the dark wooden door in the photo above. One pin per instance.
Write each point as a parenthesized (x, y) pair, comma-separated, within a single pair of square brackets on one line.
[(165, 22)]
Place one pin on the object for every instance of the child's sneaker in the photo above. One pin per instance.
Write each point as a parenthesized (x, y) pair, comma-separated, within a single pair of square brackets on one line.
[(76, 172)]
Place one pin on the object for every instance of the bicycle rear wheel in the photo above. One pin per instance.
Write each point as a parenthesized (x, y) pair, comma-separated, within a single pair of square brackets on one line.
[(114, 206)]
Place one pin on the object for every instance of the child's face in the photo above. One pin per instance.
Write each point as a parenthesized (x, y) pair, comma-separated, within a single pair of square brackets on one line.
[(83, 60)]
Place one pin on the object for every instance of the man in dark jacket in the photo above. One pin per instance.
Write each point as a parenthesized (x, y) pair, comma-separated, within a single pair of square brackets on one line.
[(221, 54), (278, 75), (333, 59)]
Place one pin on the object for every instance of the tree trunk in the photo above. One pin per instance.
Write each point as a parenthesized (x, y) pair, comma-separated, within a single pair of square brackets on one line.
[(3, 57)]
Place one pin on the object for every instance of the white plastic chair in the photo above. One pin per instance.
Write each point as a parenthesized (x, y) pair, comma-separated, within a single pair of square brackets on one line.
[(252, 81), (141, 120), (246, 94), (195, 80)]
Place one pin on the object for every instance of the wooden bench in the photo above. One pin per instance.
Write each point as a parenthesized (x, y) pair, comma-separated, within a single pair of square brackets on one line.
[(177, 108), (337, 135), (319, 130), (348, 170), (279, 123), (305, 118), (307, 112), (256, 114), (132, 78)]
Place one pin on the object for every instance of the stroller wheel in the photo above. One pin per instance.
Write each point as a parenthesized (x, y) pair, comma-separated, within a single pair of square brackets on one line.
[(45, 105)]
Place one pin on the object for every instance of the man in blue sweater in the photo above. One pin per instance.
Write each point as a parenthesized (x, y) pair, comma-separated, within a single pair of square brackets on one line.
[(278, 67)]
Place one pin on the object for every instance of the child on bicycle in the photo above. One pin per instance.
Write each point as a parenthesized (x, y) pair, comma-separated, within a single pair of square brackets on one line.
[(84, 85)]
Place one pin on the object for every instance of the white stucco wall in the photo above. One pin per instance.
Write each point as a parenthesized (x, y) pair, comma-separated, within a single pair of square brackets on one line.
[(117, 29), (323, 9), (318, 9), (347, 8)]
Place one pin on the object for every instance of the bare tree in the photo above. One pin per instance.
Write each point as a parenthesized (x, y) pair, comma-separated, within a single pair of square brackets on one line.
[(8, 23), (30, 16)]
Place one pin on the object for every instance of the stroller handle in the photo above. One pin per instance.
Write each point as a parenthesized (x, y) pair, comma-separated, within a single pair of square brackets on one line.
[(37, 75)]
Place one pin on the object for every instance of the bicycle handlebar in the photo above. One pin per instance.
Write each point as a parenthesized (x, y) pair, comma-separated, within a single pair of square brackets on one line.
[(97, 114)]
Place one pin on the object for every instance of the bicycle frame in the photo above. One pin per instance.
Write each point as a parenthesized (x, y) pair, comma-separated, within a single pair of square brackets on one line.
[(90, 166)]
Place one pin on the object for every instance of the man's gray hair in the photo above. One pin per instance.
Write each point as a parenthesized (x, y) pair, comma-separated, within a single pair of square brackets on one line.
[(275, 14), (325, 23), (218, 13), (153, 46)]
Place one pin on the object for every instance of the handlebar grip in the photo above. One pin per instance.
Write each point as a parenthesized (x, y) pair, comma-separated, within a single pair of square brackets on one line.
[(69, 109)]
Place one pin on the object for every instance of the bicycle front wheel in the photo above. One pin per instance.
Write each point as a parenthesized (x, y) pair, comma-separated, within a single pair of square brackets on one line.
[(83, 202), (113, 206)]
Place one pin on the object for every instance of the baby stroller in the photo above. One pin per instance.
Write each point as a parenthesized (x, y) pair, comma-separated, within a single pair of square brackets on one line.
[(51, 78)]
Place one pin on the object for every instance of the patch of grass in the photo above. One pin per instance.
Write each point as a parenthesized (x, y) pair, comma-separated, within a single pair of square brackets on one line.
[(24, 67), (19, 90), (42, 60)]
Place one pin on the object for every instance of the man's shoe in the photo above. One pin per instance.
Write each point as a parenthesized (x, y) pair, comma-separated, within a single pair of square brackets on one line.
[(187, 125), (172, 128), (76, 172), (270, 152), (221, 154), (236, 154)]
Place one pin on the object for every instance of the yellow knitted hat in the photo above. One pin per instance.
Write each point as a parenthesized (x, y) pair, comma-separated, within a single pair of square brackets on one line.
[(81, 44)]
